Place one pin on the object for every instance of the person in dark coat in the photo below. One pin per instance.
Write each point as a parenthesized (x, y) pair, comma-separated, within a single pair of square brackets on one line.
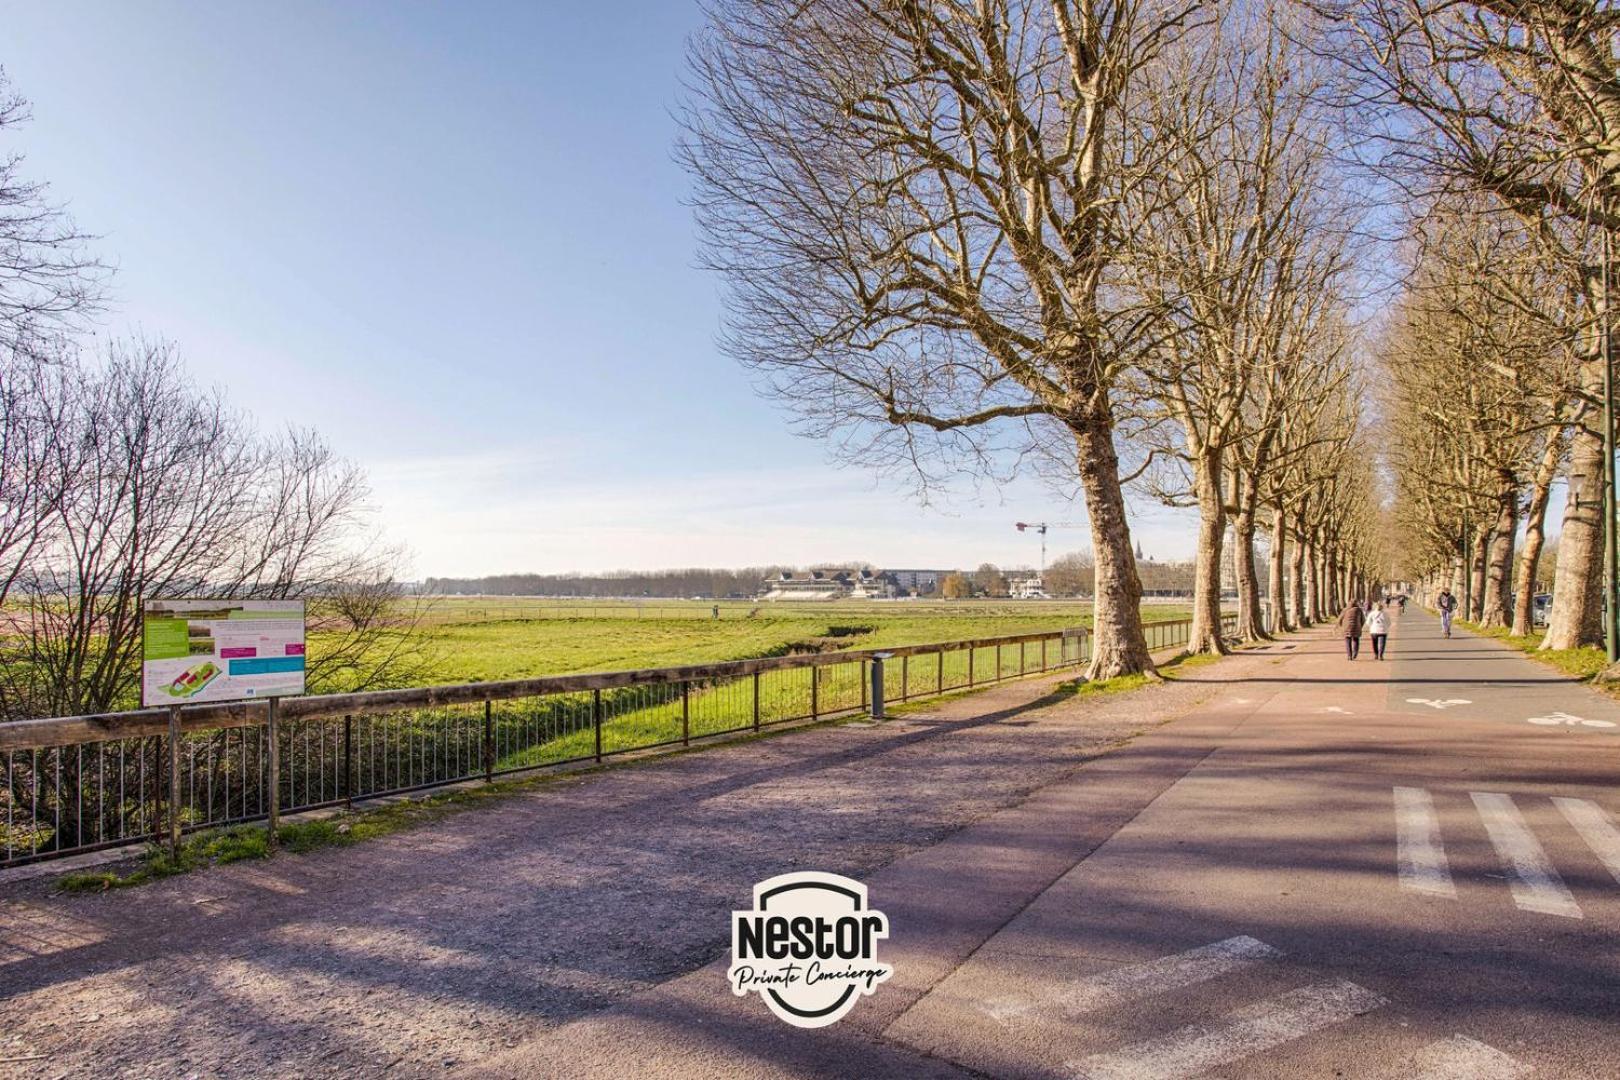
[(1351, 620)]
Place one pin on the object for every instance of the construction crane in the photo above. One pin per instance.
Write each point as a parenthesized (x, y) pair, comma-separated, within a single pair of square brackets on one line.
[(1041, 527)]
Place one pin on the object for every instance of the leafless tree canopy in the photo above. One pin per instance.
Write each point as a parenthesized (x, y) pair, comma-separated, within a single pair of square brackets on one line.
[(48, 281), (125, 481), (915, 210)]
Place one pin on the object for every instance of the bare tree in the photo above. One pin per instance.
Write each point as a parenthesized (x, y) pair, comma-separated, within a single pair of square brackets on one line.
[(1240, 239), (989, 580), (1518, 100), (157, 488), (48, 281), (914, 207), (1070, 574)]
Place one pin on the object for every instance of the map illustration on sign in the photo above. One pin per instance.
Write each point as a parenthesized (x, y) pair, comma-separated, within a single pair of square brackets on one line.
[(221, 650)]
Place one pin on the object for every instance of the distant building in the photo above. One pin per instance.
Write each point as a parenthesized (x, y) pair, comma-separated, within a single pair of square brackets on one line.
[(1025, 585), (828, 585), (917, 582)]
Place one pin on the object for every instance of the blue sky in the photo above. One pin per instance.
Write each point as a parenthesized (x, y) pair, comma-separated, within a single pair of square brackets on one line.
[(452, 237)]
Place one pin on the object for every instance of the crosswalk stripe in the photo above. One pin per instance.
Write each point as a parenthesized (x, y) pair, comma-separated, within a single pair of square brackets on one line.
[(1115, 987), (1198, 1047), (1536, 885), (1460, 1056), (1595, 828), (1420, 854)]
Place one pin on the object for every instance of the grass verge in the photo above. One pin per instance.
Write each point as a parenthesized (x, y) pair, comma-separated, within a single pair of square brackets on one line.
[(217, 847), (1119, 684), (1582, 663)]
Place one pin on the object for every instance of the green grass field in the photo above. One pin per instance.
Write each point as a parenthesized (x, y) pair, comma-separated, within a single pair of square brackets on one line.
[(463, 645)]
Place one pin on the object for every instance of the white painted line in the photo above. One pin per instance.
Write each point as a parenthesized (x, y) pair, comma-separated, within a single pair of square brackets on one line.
[(1261, 1026), (1536, 885), (1462, 1058), (1420, 855), (1123, 984), (1595, 828)]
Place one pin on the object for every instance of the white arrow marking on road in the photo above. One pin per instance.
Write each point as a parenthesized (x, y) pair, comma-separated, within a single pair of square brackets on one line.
[(1335, 709), (1557, 718), (1461, 1056), (1595, 828), (1420, 855), (1435, 703), (1198, 1048), (1115, 987), (1536, 885)]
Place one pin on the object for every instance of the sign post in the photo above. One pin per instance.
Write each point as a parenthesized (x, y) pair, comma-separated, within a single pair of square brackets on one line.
[(174, 783)]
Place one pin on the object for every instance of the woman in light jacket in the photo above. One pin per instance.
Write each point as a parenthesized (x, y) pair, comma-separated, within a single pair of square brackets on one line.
[(1378, 627)]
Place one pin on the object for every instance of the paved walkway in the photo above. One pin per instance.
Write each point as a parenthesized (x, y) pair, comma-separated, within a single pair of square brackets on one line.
[(1332, 869), (450, 944), (1301, 867)]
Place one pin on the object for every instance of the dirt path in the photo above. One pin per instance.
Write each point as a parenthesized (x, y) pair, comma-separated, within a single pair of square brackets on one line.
[(446, 945)]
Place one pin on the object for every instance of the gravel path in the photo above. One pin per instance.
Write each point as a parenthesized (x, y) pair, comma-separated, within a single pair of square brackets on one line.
[(408, 955)]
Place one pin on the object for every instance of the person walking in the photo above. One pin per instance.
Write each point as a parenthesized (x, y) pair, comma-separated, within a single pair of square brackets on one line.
[(1447, 604), (1351, 620), (1378, 628)]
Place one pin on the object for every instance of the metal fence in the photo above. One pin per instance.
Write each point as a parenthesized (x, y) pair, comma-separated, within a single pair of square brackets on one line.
[(76, 784)]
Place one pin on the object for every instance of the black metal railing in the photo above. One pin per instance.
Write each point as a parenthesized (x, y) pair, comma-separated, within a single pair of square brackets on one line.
[(76, 784)]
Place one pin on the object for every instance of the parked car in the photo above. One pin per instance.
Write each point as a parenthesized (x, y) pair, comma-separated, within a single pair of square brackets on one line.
[(1539, 607)]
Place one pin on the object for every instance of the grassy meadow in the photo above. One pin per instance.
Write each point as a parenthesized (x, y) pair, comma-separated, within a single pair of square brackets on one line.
[(471, 641)]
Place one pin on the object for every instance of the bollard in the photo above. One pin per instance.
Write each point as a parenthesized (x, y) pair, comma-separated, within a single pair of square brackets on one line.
[(877, 683)]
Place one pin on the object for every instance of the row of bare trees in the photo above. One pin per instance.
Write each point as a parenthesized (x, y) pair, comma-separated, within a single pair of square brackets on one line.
[(972, 234), (1500, 122), (120, 480)]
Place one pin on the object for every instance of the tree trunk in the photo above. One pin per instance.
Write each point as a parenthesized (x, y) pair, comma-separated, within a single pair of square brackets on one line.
[(1118, 644), (1535, 535), (1499, 558), (1249, 626), (1313, 598), (1576, 618), (1280, 552), (1476, 569), (1205, 635), (1297, 573)]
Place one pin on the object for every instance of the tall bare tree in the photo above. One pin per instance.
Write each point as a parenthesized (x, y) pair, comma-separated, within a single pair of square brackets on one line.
[(1243, 242), (914, 206), (1518, 100)]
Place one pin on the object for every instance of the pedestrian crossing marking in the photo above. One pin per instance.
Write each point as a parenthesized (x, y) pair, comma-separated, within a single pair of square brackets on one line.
[(1197, 1048), (1596, 829), (1129, 983), (1460, 1056), (1536, 886), (1534, 882), (1420, 853)]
